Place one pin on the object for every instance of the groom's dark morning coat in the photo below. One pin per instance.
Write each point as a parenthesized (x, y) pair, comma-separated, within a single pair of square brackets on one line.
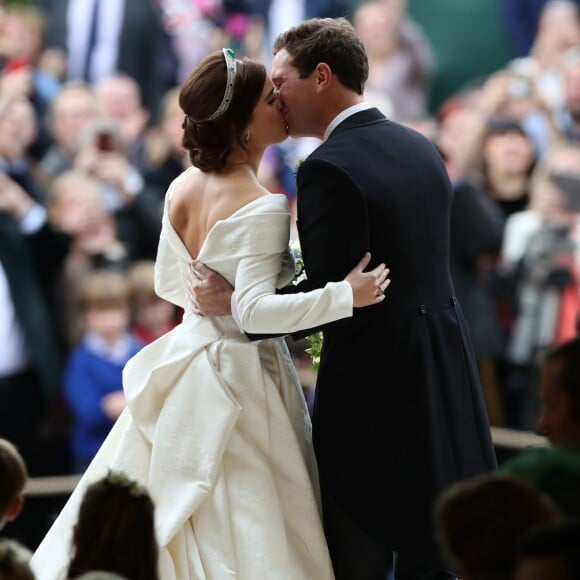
[(399, 412)]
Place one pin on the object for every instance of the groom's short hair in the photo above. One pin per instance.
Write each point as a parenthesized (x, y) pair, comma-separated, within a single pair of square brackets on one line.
[(333, 41)]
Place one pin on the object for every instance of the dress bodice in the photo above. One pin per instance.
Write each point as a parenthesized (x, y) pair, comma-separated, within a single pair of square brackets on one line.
[(250, 249)]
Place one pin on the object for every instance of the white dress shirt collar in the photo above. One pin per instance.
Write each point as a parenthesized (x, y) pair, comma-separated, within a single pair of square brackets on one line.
[(342, 116), (117, 353)]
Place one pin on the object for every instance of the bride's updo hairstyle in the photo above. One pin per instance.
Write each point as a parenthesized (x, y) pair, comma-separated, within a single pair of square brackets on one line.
[(218, 99)]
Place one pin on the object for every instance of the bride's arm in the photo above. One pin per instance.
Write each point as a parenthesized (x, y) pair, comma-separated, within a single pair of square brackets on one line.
[(260, 310), (255, 300)]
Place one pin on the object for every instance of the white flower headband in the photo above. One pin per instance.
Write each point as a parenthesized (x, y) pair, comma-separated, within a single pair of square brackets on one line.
[(230, 57)]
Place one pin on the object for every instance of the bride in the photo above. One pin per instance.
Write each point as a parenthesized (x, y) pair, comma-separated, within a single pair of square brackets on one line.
[(216, 426)]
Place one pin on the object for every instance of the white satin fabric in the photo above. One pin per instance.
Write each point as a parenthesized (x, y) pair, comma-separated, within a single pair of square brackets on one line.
[(216, 426)]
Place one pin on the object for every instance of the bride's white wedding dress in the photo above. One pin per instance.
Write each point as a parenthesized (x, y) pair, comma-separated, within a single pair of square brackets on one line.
[(216, 426)]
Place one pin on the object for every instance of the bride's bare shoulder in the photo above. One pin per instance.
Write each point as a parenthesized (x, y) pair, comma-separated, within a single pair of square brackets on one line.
[(186, 185), (200, 200), (218, 195)]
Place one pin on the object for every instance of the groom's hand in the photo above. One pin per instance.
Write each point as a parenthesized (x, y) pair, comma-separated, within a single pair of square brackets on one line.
[(210, 292)]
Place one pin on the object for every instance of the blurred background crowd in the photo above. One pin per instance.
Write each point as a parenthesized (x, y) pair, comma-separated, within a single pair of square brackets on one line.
[(90, 139)]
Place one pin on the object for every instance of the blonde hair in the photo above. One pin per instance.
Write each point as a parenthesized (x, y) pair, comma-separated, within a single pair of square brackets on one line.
[(142, 279), (69, 179), (103, 288), (13, 475)]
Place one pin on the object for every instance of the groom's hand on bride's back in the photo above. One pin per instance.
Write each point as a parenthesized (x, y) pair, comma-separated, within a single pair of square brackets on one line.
[(210, 293)]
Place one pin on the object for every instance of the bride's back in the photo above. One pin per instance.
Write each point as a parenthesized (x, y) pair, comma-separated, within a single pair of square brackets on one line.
[(199, 200)]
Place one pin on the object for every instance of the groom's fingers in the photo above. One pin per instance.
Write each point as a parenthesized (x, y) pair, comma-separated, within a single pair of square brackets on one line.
[(364, 262)]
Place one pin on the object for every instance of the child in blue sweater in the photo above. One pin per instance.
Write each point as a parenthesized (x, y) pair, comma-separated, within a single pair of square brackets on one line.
[(93, 388)]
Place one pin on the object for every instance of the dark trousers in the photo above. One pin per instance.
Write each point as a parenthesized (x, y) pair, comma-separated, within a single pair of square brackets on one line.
[(21, 414), (358, 556), (23, 421)]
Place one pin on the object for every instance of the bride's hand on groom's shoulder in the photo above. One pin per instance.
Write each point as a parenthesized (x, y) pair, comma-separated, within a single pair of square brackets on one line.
[(368, 288), (209, 292)]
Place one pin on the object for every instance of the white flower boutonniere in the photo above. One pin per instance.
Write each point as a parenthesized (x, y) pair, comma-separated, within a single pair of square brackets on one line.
[(314, 340), (299, 273), (299, 162)]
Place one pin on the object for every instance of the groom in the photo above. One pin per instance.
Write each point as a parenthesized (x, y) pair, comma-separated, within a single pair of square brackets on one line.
[(399, 413)]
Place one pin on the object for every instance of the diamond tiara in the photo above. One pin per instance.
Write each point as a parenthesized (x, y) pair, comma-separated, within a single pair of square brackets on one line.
[(230, 57)]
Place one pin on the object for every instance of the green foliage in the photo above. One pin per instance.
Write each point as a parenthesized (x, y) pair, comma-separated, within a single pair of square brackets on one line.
[(315, 348), (314, 340)]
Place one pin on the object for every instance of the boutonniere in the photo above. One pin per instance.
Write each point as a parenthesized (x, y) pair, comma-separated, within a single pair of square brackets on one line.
[(314, 340), (299, 162)]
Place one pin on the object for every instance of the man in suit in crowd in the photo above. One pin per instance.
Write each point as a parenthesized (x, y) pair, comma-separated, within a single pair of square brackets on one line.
[(101, 37), (31, 254), (399, 413)]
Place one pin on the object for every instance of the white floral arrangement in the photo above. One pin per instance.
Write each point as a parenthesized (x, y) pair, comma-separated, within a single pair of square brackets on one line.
[(314, 340)]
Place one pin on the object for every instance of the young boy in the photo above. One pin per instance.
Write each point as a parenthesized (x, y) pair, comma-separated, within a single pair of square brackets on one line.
[(13, 478), (152, 315), (93, 387)]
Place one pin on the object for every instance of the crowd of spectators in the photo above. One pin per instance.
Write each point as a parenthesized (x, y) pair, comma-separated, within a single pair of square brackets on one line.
[(90, 139), (523, 522)]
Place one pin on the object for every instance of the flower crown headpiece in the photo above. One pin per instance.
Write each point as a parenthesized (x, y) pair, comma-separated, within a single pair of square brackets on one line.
[(13, 556), (230, 57), (121, 479), (8, 558)]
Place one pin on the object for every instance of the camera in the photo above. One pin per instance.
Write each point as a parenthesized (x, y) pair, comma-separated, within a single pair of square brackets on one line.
[(568, 182), (105, 140), (15, 63)]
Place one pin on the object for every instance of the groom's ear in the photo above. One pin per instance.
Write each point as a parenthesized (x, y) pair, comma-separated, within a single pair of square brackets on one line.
[(323, 76)]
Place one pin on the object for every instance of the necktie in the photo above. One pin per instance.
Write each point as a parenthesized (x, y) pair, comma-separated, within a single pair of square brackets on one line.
[(91, 42)]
